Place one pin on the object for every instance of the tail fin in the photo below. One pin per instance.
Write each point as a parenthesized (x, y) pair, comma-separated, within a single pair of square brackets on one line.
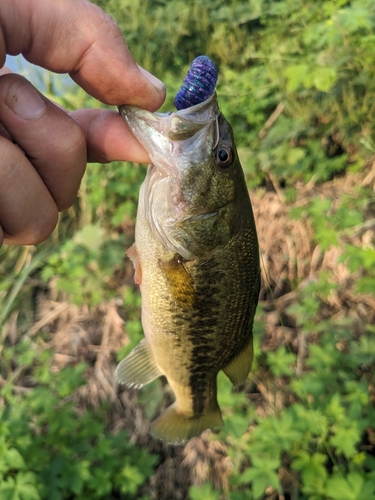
[(177, 428)]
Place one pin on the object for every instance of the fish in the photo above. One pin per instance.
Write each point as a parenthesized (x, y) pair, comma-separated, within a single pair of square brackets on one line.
[(196, 260)]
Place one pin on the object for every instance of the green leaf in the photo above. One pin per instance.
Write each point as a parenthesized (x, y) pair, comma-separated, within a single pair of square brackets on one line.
[(294, 155), (90, 236), (353, 487), (131, 479), (281, 362), (21, 487), (8, 489), (276, 433), (235, 425), (346, 439), (355, 18), (14, 459), (365, 284), (324, 79), (26, 486), (311, 468), (296, 76), (205, 492), (261, 474)]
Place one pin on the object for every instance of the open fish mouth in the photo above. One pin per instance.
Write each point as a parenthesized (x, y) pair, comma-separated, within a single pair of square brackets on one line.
[(180, 146), (175, 134)]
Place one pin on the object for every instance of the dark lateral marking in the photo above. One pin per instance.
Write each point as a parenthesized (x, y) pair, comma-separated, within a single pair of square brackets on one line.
[(207, 355), (202, 328)]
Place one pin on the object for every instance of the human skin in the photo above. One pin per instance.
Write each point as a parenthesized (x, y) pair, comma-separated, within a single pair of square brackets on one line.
[(43, 148)]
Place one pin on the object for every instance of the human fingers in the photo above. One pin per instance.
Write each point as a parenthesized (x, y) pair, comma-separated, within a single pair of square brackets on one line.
[(108, 138), (53, 143), (77, 37), (28, 213)]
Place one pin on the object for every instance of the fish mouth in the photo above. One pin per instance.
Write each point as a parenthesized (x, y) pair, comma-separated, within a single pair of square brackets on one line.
[(199, 217), (180, 146), (182, 133)]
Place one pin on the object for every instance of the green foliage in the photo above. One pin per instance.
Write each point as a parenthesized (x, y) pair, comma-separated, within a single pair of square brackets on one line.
[(281, 362), (317, 438), (17, 266), (296, 82), (49, 451), (85, 264), (261, 474), (314, 59), (206, 491), (112, 192), (354, 487)]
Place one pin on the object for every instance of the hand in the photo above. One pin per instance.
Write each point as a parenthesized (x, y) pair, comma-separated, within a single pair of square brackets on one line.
[(43, 149)]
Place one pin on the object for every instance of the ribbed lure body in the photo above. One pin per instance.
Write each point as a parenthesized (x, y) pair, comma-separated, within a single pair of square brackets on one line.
[(199, 84)]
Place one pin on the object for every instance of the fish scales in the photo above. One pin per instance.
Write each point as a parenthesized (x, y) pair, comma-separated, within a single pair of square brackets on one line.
[(195, 340), (197, 263)]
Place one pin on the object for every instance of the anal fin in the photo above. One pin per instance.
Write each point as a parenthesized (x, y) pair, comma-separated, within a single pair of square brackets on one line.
[(239, 368), (139, 367)]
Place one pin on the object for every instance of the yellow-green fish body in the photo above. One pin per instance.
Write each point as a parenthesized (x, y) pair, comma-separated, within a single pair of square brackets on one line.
[(196, 260)]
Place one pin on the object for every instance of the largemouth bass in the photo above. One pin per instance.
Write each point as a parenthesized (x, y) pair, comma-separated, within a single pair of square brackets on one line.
[(196, 261)]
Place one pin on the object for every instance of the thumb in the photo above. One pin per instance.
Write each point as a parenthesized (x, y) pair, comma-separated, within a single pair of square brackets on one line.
[(77, 37)]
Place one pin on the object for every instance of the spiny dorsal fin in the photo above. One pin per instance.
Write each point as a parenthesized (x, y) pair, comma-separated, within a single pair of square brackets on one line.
[(239, 368), (139, 367)]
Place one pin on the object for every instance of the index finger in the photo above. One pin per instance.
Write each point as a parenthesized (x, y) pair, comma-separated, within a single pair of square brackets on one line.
[(77, 37)]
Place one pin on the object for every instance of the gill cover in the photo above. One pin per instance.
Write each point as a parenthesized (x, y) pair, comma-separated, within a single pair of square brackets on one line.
[(180, 145)]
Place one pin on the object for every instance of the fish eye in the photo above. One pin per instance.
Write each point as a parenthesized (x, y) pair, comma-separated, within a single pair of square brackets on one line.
[(224, 156)]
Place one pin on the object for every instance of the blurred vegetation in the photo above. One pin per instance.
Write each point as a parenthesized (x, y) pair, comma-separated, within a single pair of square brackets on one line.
[(296, 81)]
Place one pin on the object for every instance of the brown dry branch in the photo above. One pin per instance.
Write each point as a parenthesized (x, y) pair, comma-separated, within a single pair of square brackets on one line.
[(271, 120), (48, 318)]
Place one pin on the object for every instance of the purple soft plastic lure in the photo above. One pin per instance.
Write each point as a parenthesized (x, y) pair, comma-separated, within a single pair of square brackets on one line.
[(199, 84)]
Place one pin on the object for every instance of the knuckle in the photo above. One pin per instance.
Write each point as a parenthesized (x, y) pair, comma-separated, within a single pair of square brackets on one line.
[(74, 143)]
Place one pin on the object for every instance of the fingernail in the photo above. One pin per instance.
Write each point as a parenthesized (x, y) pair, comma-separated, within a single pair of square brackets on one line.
[(24, 100), (158, 84)]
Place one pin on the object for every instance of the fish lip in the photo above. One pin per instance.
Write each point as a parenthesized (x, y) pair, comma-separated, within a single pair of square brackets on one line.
[(167, 135), (125, 109), (203, 216), (177, 143), (206, 215)]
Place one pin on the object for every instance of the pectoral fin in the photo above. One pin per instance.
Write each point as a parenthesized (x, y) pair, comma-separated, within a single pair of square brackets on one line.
[(239, 368), (134, 257), (139, 367)]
